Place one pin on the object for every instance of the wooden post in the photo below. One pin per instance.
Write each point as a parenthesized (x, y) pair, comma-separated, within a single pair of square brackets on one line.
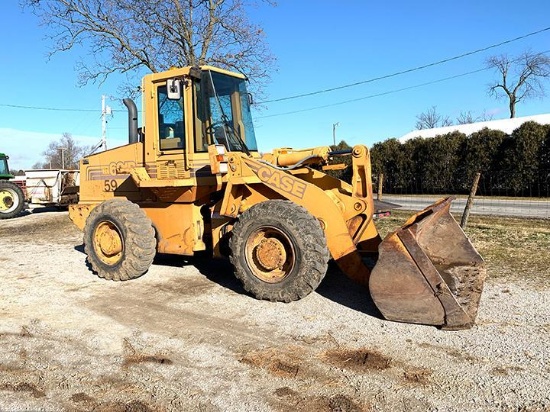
[(380, 183), (470, 201)]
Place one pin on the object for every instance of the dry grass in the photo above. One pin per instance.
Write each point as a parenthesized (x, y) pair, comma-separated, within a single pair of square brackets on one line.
[(513, 248)]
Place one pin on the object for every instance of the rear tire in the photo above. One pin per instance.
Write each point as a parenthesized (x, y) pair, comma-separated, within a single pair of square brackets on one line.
[(119, 240), (279, 251), (12, 200)]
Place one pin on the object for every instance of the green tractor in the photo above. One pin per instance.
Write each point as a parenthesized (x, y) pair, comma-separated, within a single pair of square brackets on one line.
[(12, 199)]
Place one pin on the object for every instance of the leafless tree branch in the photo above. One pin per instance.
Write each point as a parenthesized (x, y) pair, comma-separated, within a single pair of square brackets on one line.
[(431, 119), (128, 36), (520, 78)]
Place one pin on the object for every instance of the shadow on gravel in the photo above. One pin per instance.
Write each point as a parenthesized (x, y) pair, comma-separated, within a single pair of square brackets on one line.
[(23, 213), (46, 209), (335, 286), (39, 210), (340, 289), (218, 271)]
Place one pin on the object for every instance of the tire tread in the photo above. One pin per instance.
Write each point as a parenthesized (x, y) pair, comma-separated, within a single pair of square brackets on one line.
[(139, 242), (313, 250)]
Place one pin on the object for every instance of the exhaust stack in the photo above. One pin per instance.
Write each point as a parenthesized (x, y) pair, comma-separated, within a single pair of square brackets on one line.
[(132, 120)]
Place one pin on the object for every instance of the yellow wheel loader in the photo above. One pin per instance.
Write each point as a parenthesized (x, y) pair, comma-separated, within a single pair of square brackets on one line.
[(191, 180)]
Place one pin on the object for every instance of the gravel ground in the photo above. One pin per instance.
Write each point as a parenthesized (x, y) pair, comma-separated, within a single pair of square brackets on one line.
[(186, 337)]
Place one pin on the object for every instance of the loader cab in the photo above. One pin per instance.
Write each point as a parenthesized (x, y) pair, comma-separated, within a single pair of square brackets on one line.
[(193, 108)]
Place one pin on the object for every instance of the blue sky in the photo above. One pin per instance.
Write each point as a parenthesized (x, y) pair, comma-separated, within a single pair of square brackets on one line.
[(319, 45)]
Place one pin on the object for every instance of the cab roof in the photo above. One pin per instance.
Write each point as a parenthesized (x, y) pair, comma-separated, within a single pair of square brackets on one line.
[(182, 71)]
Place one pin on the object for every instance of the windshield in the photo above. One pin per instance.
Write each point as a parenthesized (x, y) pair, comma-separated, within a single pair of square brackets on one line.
[(4, 167), (224, 112)]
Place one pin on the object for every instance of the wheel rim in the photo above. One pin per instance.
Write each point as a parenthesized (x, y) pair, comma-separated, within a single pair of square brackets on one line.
[(270, 254), (108, 243), (7, 201)]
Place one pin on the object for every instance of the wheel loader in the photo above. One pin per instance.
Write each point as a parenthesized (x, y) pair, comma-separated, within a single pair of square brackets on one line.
[(191, 180)]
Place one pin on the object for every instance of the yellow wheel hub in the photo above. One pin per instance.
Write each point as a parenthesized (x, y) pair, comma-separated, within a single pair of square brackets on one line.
[(108, 243), (270, 255), (6, 200)]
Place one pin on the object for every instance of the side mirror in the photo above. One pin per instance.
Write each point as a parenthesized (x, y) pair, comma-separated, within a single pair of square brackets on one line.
[(173, 86)]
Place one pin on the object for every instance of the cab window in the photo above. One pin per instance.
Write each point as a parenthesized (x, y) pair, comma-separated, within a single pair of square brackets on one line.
[(170, 121), (223, 113), (4, 167)]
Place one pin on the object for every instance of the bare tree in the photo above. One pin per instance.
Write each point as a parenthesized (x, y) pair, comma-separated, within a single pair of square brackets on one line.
[(431, 119), (485, 117), (62, 154), (520, 78), (467, 117), (126, 36)]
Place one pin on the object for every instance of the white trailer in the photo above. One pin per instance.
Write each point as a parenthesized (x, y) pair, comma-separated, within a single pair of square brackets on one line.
[(51, 187)]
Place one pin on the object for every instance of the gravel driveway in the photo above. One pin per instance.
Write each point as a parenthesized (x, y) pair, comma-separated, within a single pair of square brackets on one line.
[(186, 337)]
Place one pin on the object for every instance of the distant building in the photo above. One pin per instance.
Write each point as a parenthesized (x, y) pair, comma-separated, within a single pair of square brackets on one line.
[(505, 125)]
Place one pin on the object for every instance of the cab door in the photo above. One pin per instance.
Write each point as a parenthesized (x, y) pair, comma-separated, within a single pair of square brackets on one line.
[(170, 131)]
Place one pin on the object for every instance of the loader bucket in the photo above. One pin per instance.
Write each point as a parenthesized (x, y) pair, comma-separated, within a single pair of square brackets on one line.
[(428, 272)]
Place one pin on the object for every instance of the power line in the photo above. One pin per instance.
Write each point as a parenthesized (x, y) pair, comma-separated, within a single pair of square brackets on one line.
[(56, 109), (407, 70), (372, 95), (338, 87), (47, 108), (385, 93)]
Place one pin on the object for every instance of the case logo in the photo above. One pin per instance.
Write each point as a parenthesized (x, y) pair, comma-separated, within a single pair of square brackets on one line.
[(282, 181)]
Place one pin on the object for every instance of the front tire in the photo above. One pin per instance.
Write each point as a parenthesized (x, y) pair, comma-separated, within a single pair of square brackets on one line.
[(119, 240), (279, 251), (12, 200)]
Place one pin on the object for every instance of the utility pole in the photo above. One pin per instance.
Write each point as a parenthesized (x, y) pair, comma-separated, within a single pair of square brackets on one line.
[(62, 149), (334, 132), (105, 111)]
